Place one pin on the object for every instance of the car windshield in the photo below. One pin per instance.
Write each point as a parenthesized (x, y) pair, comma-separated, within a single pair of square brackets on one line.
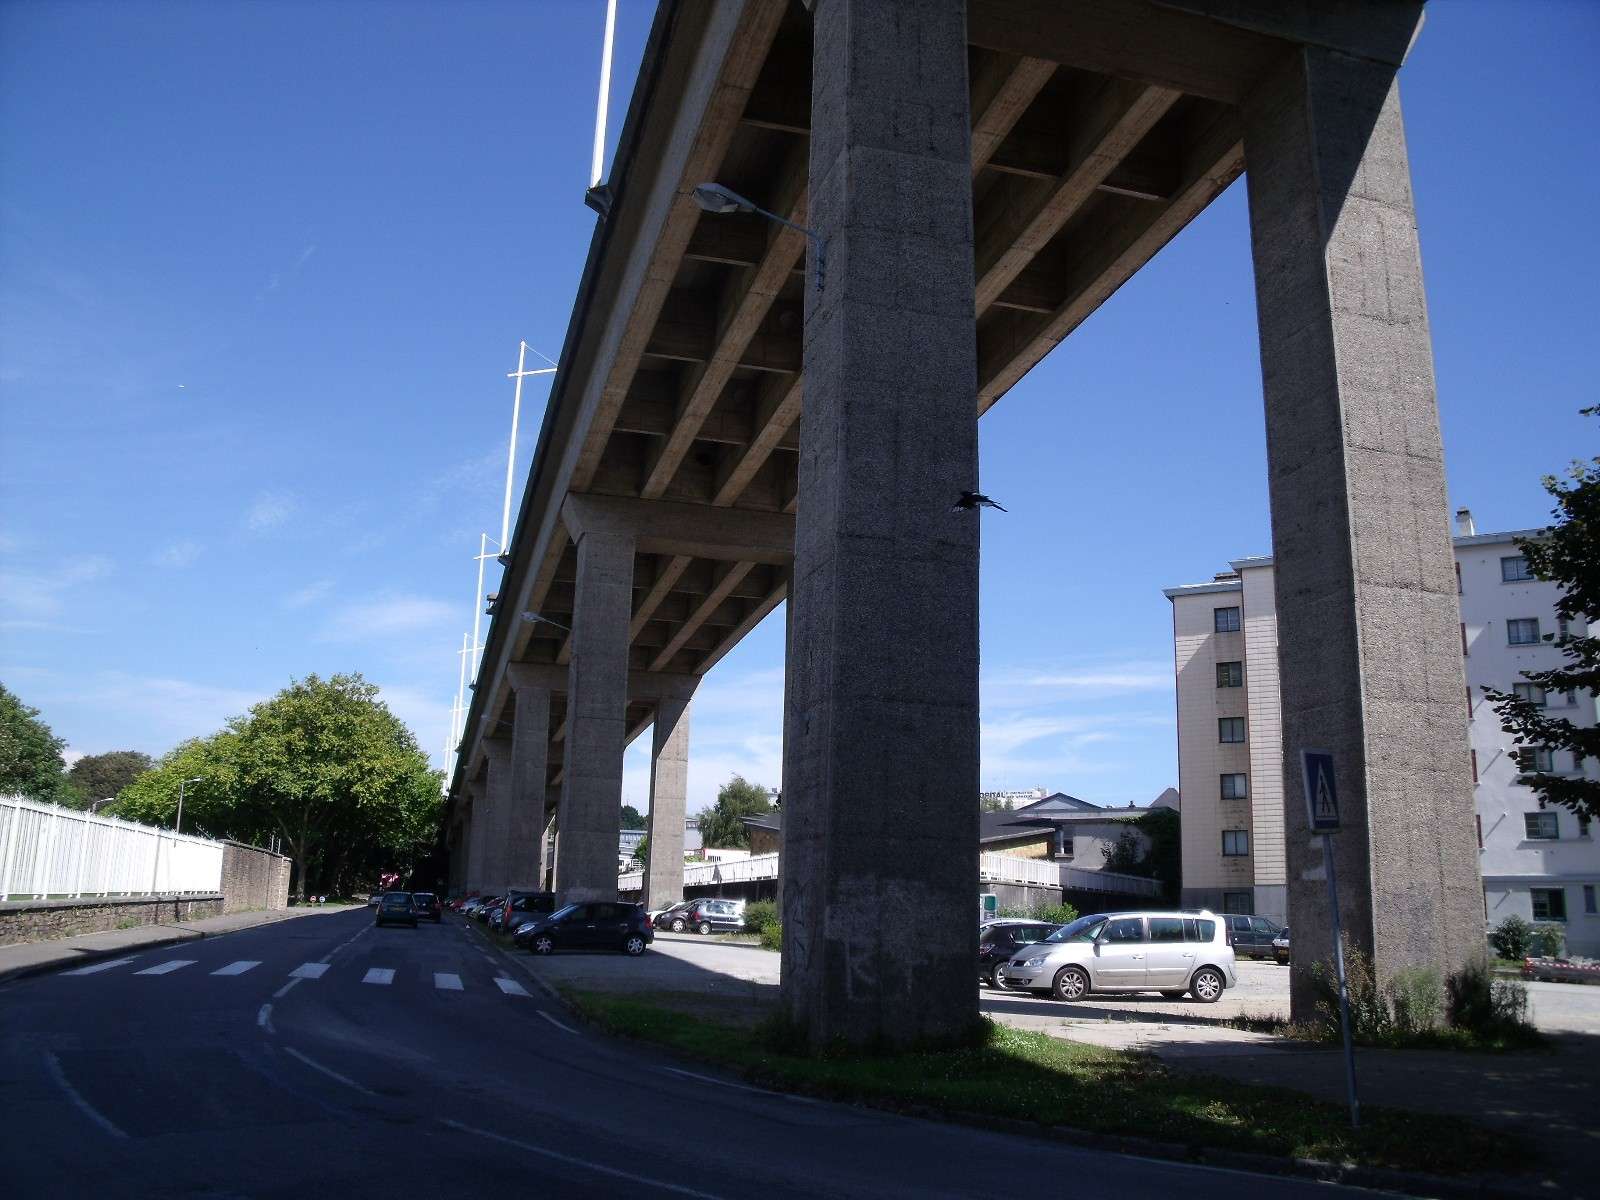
[(1081, 930), (561, 912)]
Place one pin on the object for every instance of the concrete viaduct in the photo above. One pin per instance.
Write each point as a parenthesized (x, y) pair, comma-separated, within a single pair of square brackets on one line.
[(981, 175)]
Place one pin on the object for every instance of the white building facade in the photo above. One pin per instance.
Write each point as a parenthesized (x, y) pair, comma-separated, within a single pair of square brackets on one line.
[(1542, 864)]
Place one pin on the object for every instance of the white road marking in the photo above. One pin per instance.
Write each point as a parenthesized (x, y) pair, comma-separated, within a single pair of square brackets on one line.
[(166, 968), (738, 1086), (99, 966), (561, 1025), (331, 1074), (600, 1168), (383, 975), (87, 1109), (510, 986), (446, 982), (286, 989), (264, 1018), (309, 971), (237, 968)]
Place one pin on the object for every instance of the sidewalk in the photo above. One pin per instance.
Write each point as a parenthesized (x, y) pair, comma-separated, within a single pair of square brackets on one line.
[(29, 958)]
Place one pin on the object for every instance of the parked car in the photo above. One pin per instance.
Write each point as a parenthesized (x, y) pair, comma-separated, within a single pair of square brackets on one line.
[(1280, 946), (427, 905), (715, 916), (674, 917), (481, 913), (600, 925), (1252, 936), (1166, 952), (999, 940), (520, 907), (372, 900), (396, 908)]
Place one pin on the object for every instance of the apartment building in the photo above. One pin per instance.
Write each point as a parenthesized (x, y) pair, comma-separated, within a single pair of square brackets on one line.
[(1542, 864)]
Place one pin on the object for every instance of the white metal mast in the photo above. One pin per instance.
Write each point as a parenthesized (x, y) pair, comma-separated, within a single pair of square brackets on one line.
[(605, 94), (519, 375)]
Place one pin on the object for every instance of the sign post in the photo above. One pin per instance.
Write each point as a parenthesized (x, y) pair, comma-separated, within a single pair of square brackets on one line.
[(1322, 810)]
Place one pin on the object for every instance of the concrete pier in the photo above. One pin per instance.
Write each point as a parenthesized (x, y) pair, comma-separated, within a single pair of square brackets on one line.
[(530, 748), (1369, 643), (669, 791), (881, 715)]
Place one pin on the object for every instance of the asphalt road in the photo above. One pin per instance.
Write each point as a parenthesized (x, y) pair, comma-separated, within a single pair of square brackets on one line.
[(325, 1057)]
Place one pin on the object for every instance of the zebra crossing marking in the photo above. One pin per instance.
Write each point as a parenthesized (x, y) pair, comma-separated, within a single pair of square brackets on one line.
[(100, 966), (509, 986), (309, 971), (168, 967), (237, 968), (446, 982), (379, 975)]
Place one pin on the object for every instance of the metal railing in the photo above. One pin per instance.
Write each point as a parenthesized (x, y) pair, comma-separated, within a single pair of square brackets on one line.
[(48, 852), (741, 870)]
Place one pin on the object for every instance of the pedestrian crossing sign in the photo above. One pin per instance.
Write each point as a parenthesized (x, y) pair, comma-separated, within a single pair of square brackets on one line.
[(1322, 793)]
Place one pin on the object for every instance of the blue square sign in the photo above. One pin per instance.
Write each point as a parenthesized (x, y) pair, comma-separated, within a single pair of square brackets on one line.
[(1322, 792)]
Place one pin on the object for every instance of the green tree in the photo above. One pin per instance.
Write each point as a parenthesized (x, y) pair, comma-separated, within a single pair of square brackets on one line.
[(30, 754), (991, 803), (720, 826), (323, 765), (1157, 855), (632, 818), (100, 776), (641, 852), (1567, 553)]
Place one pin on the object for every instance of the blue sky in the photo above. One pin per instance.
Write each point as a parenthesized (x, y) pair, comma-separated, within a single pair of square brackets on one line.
[(263, 268)]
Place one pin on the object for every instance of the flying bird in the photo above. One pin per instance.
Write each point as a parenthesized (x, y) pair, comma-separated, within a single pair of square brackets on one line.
[(974, 500)]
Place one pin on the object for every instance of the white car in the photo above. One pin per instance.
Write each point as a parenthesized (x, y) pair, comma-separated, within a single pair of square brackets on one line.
[(1168, 952)]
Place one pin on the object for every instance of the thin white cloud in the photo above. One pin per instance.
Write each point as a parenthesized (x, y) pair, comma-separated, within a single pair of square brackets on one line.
[(37, 595), (117, 710), (9, 543), (427, 717), (278, 278), (309, 594), (179, 555), (269, 511), (385, 616)]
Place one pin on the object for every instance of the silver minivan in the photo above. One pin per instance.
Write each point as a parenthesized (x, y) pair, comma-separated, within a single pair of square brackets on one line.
[(1174, 953)]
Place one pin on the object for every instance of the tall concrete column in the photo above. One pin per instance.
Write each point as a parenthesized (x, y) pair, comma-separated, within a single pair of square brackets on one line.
[(669, 793), (530, 753), (1368, 640), (881, 694), (495, 800), (597, 701), (477, 830)]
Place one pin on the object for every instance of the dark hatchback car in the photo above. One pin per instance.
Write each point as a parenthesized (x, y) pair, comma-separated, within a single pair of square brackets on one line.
[(1252, 937), (601, 925), (396, 908), (999, 940), (427, 905), (520, 908)]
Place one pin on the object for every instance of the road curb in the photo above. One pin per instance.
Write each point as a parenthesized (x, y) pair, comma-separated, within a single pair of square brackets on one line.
[(177, 937)]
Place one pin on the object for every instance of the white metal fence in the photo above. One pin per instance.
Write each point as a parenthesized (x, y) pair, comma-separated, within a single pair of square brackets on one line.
[(742, 870), (48, 852)]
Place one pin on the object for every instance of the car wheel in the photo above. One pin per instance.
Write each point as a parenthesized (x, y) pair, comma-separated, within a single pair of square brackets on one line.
[(1072, 983), (678, 926), (1207, 985), (999, 976), (543, 944), (705, 927), (634, 946)]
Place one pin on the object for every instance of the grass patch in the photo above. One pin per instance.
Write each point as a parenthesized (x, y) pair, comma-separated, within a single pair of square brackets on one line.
[(1034, 1077), (1501, 1040)]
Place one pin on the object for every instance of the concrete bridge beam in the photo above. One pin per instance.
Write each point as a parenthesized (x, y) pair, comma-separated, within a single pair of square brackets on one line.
[(881, 713), (1369, 646)]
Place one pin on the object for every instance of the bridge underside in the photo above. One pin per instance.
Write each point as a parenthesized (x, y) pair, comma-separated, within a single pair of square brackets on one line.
[(983, 175)]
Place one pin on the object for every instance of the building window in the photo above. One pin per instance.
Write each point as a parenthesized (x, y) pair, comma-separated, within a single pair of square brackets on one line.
[(1549, 904), (1588, 900), (1537, 758), (1227, 619), (1583, 825), (1541, 826), (1235, 843), (1458, 579), (1531, 692), (1562, 629), (1474, 766), (1230, 674), (1235, 787), (1238, 902), (1063, 844), (1514, 569), (1479, 819), (1463, 639), (1522, 631), (1230, 729)]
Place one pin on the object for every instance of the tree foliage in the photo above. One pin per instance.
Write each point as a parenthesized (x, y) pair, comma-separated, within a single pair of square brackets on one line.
[(720, 826), (1157, 855), (1568, 554), (323, 765), (102, 776), (632, 818), (30, 755), (641, 852)]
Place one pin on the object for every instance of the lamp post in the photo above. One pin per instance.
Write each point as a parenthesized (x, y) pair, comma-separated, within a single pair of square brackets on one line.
[(177, 826), (714, 198)]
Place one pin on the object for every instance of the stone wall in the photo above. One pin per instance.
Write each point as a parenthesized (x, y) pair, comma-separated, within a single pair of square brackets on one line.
[(42, 920), (253, 878)]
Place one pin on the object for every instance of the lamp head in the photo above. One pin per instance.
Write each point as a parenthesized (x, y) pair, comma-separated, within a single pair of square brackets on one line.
[(715, 198)]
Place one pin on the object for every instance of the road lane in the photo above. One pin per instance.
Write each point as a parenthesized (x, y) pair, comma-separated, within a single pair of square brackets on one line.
[(267, 1081)]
